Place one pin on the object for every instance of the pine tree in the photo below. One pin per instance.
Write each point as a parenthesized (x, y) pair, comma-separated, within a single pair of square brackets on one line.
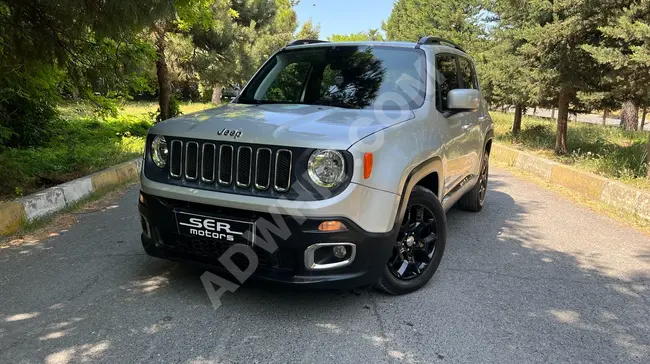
[(624, 48), (458, 21), (552, 34), (308, 31)]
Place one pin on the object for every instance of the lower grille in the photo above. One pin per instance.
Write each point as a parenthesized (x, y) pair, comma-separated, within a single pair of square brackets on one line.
[(212, 250)]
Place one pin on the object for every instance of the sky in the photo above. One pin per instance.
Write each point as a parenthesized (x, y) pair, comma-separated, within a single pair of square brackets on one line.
[(344, 16)]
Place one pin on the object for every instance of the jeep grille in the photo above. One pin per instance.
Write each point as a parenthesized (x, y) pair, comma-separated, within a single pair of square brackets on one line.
[(240, 167)]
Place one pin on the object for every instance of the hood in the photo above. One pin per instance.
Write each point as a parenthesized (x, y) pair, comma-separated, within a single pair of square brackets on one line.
[(311, 126)]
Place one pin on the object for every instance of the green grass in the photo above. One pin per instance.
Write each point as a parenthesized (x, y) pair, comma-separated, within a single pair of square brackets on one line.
[(604, 150), (81, 144)]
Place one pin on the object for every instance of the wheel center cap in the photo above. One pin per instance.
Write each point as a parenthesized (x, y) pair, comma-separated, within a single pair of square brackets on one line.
[(410, 241)]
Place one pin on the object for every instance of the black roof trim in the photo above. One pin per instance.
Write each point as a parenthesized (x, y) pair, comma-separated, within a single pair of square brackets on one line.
[(436, 40)]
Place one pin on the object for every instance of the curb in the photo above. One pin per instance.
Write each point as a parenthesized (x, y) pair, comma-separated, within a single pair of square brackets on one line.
[(592, 186), (14, 214)]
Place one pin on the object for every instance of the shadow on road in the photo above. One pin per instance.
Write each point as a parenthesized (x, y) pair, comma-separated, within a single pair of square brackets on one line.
[(505, 292)]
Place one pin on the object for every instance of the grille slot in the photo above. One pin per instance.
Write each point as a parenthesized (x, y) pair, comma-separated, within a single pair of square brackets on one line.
[(208, 157), (282, 170), (225, 164), (244, 165), (263, 169), (231, 168), (176, 159), (192, 161)]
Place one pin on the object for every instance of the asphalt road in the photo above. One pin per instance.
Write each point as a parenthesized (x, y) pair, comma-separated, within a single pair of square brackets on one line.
[(531, 279)]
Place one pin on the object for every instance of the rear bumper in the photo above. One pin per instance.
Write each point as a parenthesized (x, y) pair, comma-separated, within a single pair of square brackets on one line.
[(160, 238)]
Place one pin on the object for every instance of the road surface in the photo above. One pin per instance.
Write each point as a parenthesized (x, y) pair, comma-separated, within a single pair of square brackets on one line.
[(531, 279), (584, 118)]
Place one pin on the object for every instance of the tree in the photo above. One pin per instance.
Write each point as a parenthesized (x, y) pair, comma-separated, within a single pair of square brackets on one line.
[(458, 21), (624, 48), (551, 34), (506, 76), (75, 46), (274, 36), (308, 31), (218, 31), (370, 35)]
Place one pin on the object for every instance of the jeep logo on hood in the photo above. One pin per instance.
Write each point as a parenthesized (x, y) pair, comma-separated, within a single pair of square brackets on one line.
[(233, 133)]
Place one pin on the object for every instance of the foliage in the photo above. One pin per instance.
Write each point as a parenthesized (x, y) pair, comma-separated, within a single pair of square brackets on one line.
[(79, 145), (88, 48), (625, 49), (458, 21), (608, 151), (371, 35), (308, 31)]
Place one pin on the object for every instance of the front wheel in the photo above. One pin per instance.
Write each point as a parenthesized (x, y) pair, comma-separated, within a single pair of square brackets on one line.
[(419, 247)]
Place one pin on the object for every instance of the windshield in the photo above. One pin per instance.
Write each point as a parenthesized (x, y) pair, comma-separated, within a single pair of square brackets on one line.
[(345, 76)]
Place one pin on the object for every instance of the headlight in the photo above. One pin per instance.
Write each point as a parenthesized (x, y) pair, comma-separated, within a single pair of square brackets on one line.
[(326, 168), (159, 151)]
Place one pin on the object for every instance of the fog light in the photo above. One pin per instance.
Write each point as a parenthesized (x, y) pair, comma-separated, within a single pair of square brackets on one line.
[(142, 199), (332, 226), (340, 251)]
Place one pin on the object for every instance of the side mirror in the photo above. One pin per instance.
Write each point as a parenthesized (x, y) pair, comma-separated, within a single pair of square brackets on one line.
[(463, 99)]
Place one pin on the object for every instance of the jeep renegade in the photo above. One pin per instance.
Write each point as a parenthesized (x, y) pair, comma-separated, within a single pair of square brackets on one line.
[(335, 165)]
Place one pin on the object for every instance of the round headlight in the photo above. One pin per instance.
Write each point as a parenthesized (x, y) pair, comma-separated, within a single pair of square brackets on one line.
[(159, 151), (326, 168)]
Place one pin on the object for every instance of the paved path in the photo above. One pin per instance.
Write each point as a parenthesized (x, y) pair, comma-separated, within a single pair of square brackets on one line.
[(531, 279), (585, 118)]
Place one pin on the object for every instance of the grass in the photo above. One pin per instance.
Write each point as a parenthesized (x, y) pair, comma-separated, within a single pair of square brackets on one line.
[(604, 150), (81, 144)]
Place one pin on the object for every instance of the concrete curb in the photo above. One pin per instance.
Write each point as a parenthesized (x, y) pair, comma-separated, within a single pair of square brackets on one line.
[(594, 187), (14, 214)]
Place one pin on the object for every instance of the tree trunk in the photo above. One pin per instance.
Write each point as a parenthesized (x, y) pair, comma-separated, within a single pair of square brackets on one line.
[(562, 125), (216, 94), (516, 124), (535, 110), (629, 116), (164, 86), (605, 115), (552, 113), (643, 115)]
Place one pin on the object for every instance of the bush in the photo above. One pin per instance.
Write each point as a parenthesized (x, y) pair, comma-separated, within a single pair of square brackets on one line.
[(28, 98), (76, 148)]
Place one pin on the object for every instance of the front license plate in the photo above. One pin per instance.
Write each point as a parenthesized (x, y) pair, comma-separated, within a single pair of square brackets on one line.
[(227, 230)]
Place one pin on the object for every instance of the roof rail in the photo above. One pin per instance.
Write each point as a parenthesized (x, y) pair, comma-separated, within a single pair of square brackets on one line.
[(436, 40), (306, 41)]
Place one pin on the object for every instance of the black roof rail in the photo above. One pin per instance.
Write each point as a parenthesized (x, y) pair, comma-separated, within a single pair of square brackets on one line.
[(306, 41), (436, 40)]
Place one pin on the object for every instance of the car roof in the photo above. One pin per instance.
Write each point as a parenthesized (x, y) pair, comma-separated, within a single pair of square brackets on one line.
[(408, 45)]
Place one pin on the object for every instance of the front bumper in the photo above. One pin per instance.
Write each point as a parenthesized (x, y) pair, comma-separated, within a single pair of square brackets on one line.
[(161, 239)]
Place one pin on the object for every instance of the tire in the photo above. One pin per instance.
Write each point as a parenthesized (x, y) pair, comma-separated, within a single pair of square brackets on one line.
[(389, 281), (474, 199)]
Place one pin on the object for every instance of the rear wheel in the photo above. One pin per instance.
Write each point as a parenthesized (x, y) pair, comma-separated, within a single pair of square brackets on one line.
[(474, 199), (419, 247)]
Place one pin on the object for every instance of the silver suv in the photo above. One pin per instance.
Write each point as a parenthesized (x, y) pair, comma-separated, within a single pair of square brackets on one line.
[(334, 167)]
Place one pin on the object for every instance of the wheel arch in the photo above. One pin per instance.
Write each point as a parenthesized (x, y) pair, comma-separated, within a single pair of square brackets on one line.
[(428, 174), (489, 136)]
